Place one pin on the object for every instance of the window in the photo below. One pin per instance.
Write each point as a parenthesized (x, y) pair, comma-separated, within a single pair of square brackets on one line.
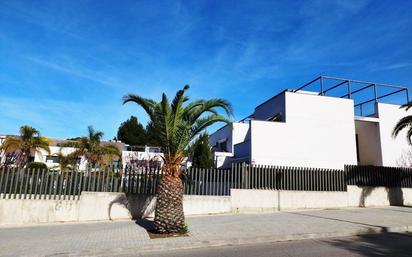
[(222, 146), (52, 159)]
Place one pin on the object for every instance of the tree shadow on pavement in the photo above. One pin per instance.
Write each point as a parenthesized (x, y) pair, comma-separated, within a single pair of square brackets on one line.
[(146, 224), (386, 244), (139, 206)]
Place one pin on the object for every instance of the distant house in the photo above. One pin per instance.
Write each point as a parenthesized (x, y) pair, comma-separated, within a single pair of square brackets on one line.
[(131, 155), (317, 129)]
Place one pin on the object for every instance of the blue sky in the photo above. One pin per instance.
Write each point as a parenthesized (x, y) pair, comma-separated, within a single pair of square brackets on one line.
[(66, 64)]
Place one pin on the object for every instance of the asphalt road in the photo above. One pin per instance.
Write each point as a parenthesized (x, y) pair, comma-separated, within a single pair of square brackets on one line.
[(390, 244)]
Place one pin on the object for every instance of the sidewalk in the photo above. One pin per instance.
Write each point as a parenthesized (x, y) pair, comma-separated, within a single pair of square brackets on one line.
[(111, 238)]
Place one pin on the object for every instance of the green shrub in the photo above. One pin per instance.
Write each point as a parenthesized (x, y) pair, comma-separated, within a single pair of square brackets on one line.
[(184, 230), (36, 166)]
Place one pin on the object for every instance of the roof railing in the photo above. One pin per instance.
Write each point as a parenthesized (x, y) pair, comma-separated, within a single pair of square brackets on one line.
[(350, 92)]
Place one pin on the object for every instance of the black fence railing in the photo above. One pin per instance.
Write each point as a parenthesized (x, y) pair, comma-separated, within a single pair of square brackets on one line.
[(242, 176), (43, 184), (378, 176)]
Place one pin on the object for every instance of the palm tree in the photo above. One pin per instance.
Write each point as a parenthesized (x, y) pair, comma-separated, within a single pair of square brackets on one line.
[(404, 123), (176, 124), (91, 148), (26, 144), (68, 161)]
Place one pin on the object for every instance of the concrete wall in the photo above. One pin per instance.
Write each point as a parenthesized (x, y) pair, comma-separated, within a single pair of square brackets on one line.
[(19, 211), (369, 143), (276, 200), (250, 200), (100, 206), (392, 148), (319, 132), (201, 205), (378, 196)]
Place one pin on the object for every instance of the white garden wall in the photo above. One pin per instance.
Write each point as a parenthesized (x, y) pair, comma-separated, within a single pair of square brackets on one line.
[(251, 200), (100, 206)]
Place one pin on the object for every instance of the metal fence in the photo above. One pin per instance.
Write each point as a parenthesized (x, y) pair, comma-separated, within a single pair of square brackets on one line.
[(43, 184), (243, 176), (378, 176), (141, 180)]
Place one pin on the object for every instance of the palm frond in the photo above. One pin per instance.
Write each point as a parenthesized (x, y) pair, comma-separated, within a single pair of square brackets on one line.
[(111, 150), (207, 121), (41, 143), (409, 135), (209, 106), (402, 124), (11, 144), (27, 132), (148, 105)]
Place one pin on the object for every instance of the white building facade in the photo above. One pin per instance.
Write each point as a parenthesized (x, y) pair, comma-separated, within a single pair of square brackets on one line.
[(306, 129)]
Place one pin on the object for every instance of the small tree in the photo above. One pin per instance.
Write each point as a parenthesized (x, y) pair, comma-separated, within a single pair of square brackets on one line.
[(67, 162), (201, 154), (92, 149), (132, 132), (36, 166)]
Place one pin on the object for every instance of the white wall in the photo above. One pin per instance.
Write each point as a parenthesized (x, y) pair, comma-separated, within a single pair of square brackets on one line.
[(392, 148), (252, 200), (319, 132), (240, 132), (100, 206), (222, 159), (369, 144)]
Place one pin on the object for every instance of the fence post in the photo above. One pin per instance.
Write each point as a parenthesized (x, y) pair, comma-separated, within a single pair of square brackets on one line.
[(26, 184), (243, 172), (1, 179)]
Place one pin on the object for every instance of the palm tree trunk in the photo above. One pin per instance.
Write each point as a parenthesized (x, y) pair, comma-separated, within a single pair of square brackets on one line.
[(169, 216)]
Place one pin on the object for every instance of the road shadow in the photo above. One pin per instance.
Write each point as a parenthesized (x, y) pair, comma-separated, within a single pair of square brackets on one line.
[(386, 244), (381, 229)]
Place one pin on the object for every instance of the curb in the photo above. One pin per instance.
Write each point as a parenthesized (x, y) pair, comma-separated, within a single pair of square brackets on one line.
[(242, 241)]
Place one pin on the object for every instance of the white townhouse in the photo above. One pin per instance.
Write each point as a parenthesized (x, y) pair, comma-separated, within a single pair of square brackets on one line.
[(319, 129)]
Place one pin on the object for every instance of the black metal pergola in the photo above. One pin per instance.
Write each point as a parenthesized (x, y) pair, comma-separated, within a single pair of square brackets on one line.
[(341, 82)]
